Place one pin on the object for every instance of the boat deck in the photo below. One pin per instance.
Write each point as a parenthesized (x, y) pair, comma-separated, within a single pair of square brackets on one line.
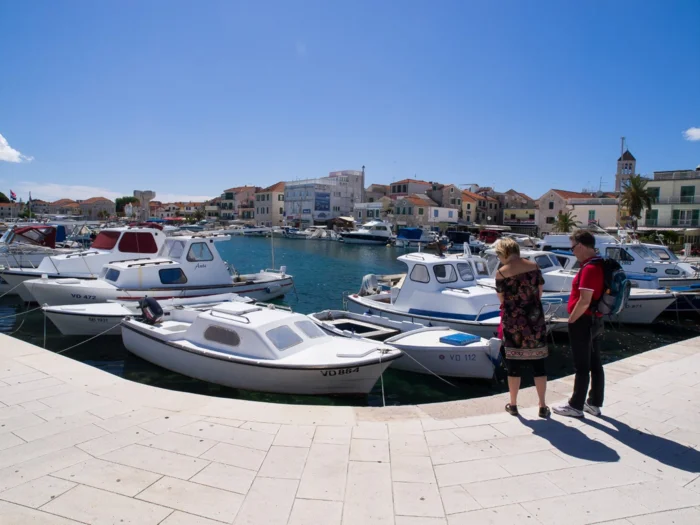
[(79, 445)]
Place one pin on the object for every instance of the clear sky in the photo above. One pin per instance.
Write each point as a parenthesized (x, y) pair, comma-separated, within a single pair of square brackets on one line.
[(191, 97)]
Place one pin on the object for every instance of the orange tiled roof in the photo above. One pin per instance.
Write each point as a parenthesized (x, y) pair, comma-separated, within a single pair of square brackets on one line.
[(275, 187), (63, 202), (406, 181), (95, 200), (419, 200), (239, 188)]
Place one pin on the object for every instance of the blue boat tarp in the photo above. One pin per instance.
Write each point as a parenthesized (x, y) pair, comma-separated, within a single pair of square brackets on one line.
[(410, 234), (155, 219)]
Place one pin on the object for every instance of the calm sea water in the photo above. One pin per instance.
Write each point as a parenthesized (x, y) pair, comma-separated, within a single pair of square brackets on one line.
[(322, 272)]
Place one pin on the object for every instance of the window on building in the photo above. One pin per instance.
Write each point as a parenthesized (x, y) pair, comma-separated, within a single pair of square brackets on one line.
[(359, 214), (469, 206), (551, 205), (435, 213), (404, 188), (410, 211), (281, 210), (653, 193), (449, 214), (591, 215), (687, 194), (420, 211), (550, 220)]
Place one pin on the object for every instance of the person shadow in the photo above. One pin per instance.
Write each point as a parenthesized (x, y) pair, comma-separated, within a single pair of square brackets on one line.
[(659, 448), (571, 441)]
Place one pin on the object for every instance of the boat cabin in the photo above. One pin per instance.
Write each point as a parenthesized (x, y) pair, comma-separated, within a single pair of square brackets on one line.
[(266, 333), (45, 236), (182, 262), (428, 274)]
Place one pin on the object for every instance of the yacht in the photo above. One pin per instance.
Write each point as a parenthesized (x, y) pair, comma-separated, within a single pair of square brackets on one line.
[(372, 232), (186, 266), (255, 348), (110, 245)]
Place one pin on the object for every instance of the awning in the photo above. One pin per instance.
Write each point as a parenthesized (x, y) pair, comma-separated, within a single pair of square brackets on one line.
[(347, 219)]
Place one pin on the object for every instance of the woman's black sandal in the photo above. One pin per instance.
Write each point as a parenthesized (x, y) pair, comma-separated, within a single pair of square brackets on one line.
[(544, 412), (512, 409)]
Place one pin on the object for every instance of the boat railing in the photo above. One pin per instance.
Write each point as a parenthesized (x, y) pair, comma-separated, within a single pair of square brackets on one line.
[(231, 316), (481, 310)]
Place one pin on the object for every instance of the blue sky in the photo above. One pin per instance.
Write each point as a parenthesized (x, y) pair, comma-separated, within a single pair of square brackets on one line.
[(189, 98)]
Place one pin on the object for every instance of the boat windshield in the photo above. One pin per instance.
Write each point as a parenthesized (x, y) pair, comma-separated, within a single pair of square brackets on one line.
[(105, 240), (664, 254), (283, 337), (642, 251)]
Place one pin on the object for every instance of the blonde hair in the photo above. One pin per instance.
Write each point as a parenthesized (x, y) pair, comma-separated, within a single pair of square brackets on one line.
[(506, 247)]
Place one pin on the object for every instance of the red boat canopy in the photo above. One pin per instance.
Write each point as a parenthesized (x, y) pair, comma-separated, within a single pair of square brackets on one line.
[(38, 235)]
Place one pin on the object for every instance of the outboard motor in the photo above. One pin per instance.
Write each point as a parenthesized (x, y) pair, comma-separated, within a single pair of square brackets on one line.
[(150, 309)]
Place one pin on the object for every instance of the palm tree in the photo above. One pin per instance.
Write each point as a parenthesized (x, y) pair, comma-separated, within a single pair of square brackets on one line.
[(566, 222), (635, 197)]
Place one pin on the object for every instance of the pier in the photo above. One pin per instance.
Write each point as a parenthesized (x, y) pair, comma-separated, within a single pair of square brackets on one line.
[(82, 446)]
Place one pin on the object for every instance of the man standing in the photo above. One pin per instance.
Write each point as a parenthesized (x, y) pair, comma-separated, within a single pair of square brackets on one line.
[(585, 328)]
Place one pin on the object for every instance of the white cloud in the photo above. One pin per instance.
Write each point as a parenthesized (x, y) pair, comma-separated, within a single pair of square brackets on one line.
[(9, 154), (52, 192), (692, 134)]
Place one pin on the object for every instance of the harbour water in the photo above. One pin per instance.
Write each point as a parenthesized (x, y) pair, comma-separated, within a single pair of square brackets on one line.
[(322, 272)]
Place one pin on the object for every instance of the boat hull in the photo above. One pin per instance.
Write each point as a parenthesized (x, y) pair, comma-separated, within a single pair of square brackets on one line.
[(324, 380), (354, 238), (76, 324), (72, 291)]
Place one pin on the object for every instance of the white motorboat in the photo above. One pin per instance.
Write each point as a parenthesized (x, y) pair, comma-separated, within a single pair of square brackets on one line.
[(111, 244), (187, 266), (26, 246), (372, 232), (435, 291), (255, 231), (294, 233), (254, 348), (425, 348), (97, 318), (408, 237)]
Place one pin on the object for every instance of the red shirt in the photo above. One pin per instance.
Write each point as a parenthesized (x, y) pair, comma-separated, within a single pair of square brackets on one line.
[(590, 277)]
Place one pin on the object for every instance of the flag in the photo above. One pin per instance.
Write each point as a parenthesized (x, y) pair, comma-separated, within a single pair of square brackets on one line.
[(13, 196)]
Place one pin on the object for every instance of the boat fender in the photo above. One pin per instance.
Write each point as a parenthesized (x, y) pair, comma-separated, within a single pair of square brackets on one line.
[(151, 310), (272, 288)]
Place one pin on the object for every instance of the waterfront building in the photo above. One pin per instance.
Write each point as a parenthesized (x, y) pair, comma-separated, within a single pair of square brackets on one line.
[(406, 187), (446, 195), (315, 201), (374, 192), (376, 210), (519, 212), (94, 208), (269, 205), (421, 210), (238, 203), (588, 208), (676, 203)]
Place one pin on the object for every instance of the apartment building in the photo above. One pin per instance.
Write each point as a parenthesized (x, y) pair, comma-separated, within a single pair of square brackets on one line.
[(676, 199), (311, 201), (421, 210), (269, 205)]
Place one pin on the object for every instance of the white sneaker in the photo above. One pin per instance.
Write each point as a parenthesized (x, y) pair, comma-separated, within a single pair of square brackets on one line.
[(592, 410), (567, 410)]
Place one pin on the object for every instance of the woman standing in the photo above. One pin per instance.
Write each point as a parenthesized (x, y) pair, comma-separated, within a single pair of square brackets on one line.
[(519, 285)]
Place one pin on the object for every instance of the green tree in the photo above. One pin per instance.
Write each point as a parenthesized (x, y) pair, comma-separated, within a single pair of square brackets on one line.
[(3, 198), (120, 202), (566, 222), (635, 197)]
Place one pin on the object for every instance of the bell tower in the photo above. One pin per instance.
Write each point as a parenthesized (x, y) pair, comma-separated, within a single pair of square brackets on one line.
[(626, 166)]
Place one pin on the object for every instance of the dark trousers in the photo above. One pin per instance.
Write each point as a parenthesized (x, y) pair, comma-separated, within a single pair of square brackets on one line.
[(584, 336)]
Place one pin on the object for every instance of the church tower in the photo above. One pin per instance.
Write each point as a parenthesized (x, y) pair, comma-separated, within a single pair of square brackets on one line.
[(626, 166)]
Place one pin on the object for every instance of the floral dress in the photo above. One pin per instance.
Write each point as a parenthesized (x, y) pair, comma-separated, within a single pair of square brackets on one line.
[(522, 318)]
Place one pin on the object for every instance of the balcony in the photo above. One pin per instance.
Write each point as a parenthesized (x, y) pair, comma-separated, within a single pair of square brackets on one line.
[(684, 223), (675, 223), (523, 222), (692, 199)]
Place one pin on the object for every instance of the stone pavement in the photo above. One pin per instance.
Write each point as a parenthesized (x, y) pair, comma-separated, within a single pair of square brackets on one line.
[(78, 445)]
